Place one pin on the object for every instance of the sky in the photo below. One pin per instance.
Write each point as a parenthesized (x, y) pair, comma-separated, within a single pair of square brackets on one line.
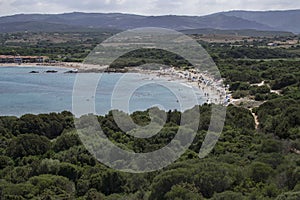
[(143, 7)]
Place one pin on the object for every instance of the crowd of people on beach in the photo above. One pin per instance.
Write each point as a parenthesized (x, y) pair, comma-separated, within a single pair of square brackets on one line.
[(213, 89)]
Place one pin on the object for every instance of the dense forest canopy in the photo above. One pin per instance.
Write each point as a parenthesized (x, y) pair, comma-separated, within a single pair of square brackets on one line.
[(43, 157)]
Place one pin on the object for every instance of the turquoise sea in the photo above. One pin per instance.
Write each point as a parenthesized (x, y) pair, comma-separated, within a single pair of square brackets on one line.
[(22, 92)]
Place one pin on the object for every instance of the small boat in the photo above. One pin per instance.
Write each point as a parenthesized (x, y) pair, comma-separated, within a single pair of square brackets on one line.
[(34, 72), (72, 71)]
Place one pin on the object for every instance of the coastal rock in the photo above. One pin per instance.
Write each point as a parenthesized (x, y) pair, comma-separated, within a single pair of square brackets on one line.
[(51, 71), (71, 72)]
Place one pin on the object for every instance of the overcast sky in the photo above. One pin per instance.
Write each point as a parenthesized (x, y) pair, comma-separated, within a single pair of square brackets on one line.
[(145, 7)]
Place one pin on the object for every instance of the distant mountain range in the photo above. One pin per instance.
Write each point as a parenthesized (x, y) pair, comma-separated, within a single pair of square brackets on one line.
[(287, 21), (242, 32)]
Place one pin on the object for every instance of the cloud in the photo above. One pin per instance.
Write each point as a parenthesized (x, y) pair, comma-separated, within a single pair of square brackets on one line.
[(147, 7)]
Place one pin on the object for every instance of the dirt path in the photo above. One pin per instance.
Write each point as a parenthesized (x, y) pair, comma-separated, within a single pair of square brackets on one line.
[(255, 118), (296, 151)]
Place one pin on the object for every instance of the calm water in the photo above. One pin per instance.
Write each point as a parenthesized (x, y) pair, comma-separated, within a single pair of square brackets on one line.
[(23, 92)]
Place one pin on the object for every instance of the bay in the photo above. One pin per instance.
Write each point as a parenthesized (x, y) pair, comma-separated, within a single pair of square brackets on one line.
[(22, 92)]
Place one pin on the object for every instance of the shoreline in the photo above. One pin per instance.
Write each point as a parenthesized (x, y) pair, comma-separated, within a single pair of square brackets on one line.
[(212, 90), (58, 65)]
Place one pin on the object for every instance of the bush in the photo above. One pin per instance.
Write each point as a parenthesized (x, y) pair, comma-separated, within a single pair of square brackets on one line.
[(17, 191), (182, 192), (108, 182), (66, 141), (289, 196), (260, 97), (48, 166), (239, 94), (94, 195), (263, 89), (228, 195), (69, 171), (286, 80), (271, 146), (28, 144), (260, 172), (163, 183), (5, 161), (57, 184)]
